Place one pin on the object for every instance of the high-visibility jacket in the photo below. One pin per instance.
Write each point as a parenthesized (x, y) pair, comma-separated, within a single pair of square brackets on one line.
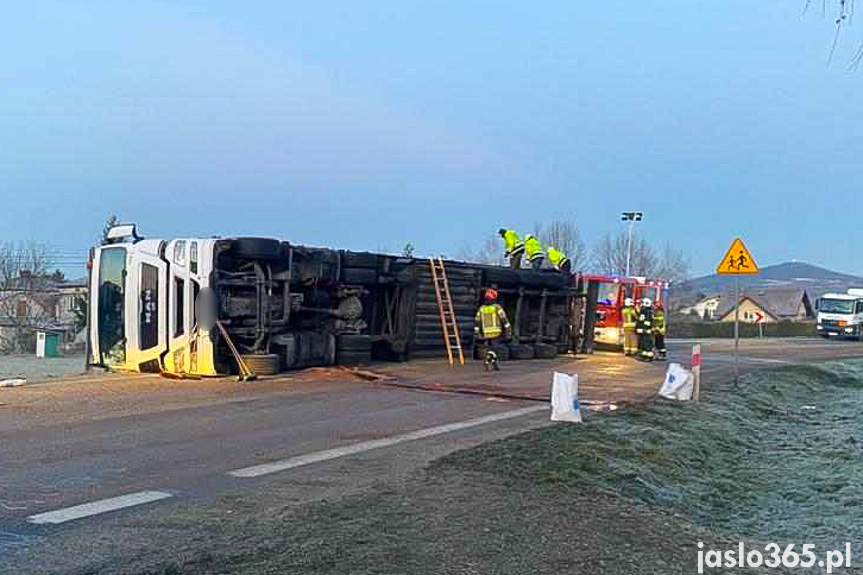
[(629, 316), (659, 321), (532, 247), (557, 257), (491, 321), (644, 322), (513, 242)]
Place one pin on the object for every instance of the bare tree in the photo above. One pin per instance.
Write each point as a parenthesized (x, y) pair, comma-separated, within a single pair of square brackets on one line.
[(670, 264), (610, 255), (673, 266), (490, 253), (27, 300), (564, 236)]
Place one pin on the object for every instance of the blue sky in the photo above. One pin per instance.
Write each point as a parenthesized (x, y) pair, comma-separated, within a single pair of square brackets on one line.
[(372, 124)]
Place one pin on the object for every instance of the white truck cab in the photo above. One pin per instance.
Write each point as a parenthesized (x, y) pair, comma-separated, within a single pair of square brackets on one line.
[(142, 312), (841, 315)]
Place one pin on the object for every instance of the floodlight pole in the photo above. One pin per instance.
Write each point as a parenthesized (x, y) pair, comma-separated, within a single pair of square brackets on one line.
[(629, 245), (630, 217)]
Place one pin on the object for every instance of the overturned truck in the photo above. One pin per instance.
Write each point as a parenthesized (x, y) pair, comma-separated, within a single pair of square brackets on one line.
[(286, 306)]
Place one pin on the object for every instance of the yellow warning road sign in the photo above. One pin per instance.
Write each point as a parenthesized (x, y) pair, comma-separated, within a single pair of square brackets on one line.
[(737, 260)]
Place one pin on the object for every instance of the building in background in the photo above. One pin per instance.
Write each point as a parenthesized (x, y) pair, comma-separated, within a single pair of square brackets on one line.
[(29, 304), (768, 305)]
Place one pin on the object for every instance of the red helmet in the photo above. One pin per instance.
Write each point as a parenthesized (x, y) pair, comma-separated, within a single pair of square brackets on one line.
[(491, 294)]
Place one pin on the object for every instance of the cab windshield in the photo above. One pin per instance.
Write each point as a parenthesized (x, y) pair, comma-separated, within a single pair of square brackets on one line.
[(112, 287), (837, 306), (608, 294)]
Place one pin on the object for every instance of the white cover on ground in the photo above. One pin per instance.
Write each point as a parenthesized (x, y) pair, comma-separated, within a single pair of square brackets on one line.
[(678, 383), (14, 382), (564, 398)]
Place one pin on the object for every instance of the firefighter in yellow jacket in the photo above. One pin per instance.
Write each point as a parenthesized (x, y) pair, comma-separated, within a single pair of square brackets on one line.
[(629, 316), (514, 247), (533, 251), (659, 327), (491, 324), (559, 261)]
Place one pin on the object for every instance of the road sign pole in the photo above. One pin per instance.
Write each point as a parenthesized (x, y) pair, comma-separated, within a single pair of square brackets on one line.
[(736, 327), (737, 260)]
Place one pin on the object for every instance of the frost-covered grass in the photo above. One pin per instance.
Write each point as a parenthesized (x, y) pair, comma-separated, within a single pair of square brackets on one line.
[(778, 458)]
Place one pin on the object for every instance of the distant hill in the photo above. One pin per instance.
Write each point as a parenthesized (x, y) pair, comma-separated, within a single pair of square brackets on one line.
[(816, 280)]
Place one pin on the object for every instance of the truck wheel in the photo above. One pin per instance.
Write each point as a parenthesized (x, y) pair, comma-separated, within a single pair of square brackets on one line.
[(521, 351), (545, 351), (354, 357), (361, 276), (361, 343), (262, 364), (257, 248), (360, 260)]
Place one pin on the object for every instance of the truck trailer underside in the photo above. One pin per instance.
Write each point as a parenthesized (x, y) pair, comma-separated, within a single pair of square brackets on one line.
[(286, 306)]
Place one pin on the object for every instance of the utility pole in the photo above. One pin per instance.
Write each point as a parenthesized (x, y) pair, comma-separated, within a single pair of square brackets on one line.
[(630, 217)]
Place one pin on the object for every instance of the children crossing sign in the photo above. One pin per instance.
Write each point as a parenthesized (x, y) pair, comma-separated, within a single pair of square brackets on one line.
[(737, 260)]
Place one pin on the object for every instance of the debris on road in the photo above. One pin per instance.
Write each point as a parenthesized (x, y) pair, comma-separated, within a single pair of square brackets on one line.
[(13, 382)]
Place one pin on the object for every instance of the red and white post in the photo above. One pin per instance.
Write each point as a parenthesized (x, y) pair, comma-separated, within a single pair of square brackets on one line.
[(696, 372)]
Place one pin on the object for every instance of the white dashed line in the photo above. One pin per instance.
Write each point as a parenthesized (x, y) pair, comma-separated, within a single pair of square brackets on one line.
[(319, 456), (98, 507)]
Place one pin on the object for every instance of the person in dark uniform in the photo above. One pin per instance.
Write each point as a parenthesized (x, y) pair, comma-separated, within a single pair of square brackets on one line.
[(644, 330)]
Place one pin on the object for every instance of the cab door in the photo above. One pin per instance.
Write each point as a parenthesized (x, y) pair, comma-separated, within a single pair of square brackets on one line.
[(180, 307), (148, 334)]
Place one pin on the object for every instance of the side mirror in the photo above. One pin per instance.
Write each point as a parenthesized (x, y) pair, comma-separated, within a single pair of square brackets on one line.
[(817, 304)]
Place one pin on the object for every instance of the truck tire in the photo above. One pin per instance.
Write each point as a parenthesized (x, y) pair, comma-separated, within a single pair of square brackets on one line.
[(362, 343), (502, 351), (262, 364), (520, 351), (502, 277), (257, 248), (544, 351), (359, 276), (354, 357), (364, 260)]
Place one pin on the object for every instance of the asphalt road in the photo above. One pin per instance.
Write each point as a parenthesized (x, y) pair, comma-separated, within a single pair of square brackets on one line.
[(88, 467)]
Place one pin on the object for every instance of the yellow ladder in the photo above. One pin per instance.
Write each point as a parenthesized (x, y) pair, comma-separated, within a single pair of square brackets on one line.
[(447, 313)]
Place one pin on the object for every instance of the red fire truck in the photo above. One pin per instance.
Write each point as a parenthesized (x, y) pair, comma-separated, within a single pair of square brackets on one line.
[(611, 294)]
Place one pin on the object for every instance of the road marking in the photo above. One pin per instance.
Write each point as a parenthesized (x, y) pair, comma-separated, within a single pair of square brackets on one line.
[(98, 507), (319, 456)]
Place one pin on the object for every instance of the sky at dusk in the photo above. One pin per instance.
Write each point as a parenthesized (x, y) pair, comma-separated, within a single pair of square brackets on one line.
[(368, 125)]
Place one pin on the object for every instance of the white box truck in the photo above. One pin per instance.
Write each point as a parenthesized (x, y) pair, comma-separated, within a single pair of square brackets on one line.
[(841, 314)]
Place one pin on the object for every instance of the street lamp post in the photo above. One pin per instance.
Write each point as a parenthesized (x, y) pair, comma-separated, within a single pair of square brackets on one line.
[(630, 217)]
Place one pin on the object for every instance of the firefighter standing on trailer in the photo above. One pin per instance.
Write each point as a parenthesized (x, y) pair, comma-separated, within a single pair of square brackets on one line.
[(629, 316), (644, 330), (491, 324), (533, 251), (559, 260), (514, 247), (659, 327)]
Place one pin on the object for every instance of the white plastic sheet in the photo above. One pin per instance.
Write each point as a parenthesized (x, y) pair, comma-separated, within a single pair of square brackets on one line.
[(14, 382), (678, 383), (564, 398)]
